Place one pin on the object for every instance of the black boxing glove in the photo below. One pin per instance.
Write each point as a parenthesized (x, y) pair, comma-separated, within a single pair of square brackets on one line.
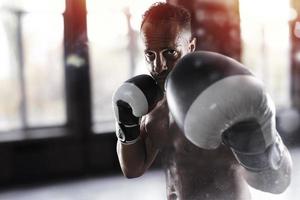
[(133, 99)]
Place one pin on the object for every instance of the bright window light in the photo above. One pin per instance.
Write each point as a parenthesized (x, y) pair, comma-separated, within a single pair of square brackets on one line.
[(265, 44)]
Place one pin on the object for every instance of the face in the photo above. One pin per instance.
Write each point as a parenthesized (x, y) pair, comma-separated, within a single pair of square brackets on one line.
[(165, 43)]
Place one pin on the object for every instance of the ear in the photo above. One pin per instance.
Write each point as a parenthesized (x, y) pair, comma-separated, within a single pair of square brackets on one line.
[(192, 45)]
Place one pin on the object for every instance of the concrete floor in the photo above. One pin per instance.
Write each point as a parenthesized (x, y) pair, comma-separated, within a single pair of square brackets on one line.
[(151, 186)]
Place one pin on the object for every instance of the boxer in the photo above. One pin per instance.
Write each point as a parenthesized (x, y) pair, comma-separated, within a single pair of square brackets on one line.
[(146, 128)]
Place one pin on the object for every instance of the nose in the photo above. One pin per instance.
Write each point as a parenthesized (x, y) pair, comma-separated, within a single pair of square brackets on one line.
[(160, 64)]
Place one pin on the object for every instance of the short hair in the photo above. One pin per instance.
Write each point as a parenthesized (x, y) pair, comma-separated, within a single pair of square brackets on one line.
[(161, 11)]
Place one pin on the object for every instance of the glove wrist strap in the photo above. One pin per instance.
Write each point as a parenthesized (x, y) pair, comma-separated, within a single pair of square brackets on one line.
[(271, 158), (128, 134)]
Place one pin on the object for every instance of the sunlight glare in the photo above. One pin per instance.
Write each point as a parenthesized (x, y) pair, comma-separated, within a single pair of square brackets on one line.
[(35, 5), (264, 11), (108, 20), (4, 54), (265, 43)]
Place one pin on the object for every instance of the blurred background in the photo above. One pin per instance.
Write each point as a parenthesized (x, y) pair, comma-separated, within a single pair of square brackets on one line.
[(60, 62)]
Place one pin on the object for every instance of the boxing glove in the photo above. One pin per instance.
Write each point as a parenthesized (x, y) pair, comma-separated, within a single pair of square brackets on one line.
[(215, 99), (133, 99)]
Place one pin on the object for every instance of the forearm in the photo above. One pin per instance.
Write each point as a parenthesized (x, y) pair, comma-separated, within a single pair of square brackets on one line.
[(136, 158), (132, 158), (272, 180)]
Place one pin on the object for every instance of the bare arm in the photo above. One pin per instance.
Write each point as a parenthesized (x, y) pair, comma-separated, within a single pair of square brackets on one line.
[(136, 158)]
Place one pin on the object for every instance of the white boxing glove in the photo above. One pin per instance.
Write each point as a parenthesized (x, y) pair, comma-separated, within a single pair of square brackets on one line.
[(215, 99)]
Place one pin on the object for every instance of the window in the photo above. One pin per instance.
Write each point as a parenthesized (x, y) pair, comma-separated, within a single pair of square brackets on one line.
[(266, 45), (43, 61), (45, 93), (115, 52), (31, 72), (9, 82)]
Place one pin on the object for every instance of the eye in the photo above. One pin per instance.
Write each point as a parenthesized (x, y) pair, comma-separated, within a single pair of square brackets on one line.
[(150, 56), (171, 53)]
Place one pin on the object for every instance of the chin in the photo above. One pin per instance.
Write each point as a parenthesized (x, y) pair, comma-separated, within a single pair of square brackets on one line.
[(162, 85), (160, 82)]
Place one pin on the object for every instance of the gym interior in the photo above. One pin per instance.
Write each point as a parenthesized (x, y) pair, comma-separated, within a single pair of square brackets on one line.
[(61, 61)]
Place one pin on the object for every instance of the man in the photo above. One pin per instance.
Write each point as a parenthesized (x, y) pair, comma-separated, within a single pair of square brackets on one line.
[(191, 172)]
